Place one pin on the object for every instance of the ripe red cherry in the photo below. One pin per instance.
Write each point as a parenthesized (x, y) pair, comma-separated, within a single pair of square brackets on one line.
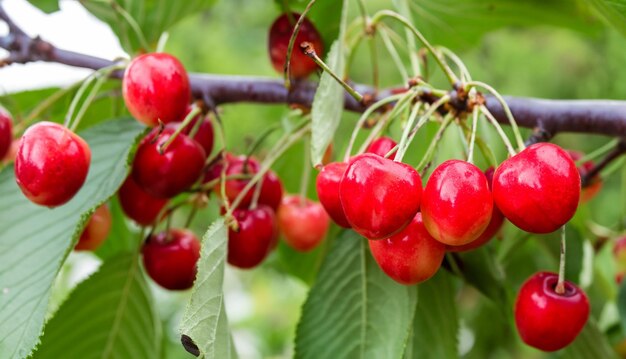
[(170, 258), (96, 231), (51, 164), (327, 185), (381, 146), (280, 33), (547, 320), (156, 88), (254, 240), (410, 256), (271, 188), (592, 189), (168, 174), (379, 196), (204, 134), (302, 222), (457, 203), (6, 132), (138, 205), (537, 189)]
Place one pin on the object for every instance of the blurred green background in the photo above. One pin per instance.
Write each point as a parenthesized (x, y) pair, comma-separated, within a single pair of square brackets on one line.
[(545, 61)]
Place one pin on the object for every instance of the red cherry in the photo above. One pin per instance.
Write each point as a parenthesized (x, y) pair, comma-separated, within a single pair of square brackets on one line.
[(327, 185), (280, 33), (497, 219), (271, 188), (302, 222), (96, 231), (156, 88), (592, 189), (379, 196), (410, 256), (537, 189), (257, 234), (168, 174), (381, 146), (204, 134), (547, 320), (170, 258), (6, 132), (138, 205), (457, 203), (51, 164)]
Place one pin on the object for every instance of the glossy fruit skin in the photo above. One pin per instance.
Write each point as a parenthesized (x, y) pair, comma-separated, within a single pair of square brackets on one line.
[(379, 196), (51, 164), (168, 174), (138, 205), (96, 231), (271, 188), (538, 189), (156, 88), (546, 320), (327, 185), (381, 146), (204, 134), (591, 190), (410, 256), (258, 231), (457, 203), (6, 132), (170, 258), (280, 33), (303, 226)]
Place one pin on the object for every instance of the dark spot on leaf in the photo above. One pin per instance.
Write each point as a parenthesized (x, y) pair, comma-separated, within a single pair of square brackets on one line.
[(189, 345)]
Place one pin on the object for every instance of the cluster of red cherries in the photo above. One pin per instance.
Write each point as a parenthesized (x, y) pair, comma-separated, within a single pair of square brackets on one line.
[(409, 228)]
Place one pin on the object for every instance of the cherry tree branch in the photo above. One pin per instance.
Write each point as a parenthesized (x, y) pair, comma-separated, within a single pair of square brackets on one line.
[(603, 117)]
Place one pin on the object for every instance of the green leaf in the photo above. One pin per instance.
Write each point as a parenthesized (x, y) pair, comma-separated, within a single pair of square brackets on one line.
[(436, 320), (47, 6), (109, 315), (327, 106), (204, 320), (613, 11), (591, 343), (461, 24), (35, 240), (153, 17), (480, 270), (354, 309)]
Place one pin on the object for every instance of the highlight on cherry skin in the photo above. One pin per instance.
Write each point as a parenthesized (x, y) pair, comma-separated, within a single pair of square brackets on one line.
[(279, 35), (156, 89), (379, 196), (410, 256), (51, 164), (96, 230), (170, 258), (253, 239), (302, 222), (545, 319), (327, 186)]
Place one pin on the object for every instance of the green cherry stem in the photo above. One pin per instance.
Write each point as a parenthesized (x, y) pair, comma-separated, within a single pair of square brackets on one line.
[(433, 144), (505, 106), (44, 105), (560, 285), (482, 145), (499, 129), (472, 141), (427, 115), (598, 152), (393, 52), (292, 41), (190, 116), (403, 145), (465, 75), (378, 128)]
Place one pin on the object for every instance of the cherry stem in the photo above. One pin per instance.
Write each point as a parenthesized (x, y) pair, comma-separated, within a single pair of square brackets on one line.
[(292, 41), (378, 128), (482, 146), (597, 152), (403, 145), (499, 129), (308, 50), (162, 41), (43, 106), (446, 69), (399, 97), (505, 107), (470, 152), (287, 141), (560, 285), (256, 194), (433, 144), (427, 115), (259, 141), (618, 151), (306, 171), (195, 110), (465, 75), (393, 52)]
